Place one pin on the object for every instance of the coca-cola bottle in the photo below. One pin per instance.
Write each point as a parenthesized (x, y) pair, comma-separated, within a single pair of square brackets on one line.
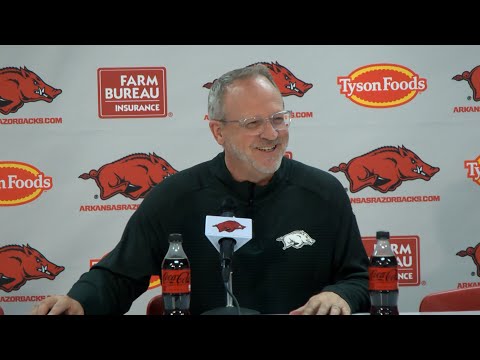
[(383, 277), (176, 278)]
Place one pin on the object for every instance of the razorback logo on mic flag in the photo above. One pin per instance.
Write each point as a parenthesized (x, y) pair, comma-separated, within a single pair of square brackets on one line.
[(19, 86), (218, 227), (381, 85), (229, 226)]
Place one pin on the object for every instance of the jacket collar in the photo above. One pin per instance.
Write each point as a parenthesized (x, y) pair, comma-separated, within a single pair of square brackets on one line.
[(247, 191)]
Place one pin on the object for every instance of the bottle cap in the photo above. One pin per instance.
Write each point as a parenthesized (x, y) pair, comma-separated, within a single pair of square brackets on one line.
[(175, 237), (383, 235)]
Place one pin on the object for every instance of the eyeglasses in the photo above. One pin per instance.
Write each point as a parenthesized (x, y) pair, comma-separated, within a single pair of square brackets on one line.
[(255, 125)]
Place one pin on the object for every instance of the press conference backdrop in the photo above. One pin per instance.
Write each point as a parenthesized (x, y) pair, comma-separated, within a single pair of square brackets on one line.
[(397, 125)]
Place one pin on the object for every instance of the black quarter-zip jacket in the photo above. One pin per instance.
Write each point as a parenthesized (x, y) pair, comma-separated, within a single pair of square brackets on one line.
[(268, 276)]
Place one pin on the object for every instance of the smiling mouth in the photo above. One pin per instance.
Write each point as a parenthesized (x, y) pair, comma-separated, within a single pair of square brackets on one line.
[(267, 149)]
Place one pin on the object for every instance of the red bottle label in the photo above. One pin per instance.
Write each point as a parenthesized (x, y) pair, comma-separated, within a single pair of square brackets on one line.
[(176, 281), (382, 278)]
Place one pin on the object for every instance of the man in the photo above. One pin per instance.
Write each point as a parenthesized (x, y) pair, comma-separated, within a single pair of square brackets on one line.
[(306, 254)]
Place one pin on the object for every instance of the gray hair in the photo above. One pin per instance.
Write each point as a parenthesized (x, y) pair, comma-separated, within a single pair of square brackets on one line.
[(220, 86)]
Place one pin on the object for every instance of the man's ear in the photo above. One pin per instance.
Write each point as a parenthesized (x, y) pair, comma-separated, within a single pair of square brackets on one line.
[(217, 130)]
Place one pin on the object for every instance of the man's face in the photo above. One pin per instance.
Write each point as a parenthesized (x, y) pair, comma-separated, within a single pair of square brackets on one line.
[(250, 156)]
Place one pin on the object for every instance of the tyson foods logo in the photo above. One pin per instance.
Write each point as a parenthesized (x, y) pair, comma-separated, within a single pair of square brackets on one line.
[(20, 263), (19, 86), (381, 85), (286, 81), (131, 176), (473, 169), (384, 169), (21, 183)]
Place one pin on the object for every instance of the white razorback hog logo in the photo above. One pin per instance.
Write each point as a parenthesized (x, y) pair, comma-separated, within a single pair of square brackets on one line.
[(296, 238)]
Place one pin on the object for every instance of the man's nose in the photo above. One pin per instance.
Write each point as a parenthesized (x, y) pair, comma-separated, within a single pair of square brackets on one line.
[(268, 131)]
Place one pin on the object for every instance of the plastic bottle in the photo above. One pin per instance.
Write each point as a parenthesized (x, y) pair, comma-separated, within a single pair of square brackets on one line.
[(383, 277), (176, 278)]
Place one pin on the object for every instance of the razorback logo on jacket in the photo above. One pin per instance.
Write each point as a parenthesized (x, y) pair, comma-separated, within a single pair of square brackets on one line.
[(229, 226), (132, 176), (384, 169), (472, 77), (18, 264), (19, 86), (286, 81), (296, 239)]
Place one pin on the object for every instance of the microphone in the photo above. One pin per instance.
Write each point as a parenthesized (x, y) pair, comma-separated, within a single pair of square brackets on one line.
[(227, 234), (227, 244)]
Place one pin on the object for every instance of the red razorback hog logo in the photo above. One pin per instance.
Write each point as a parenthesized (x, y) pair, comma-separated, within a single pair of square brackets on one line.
[(473, 79), (288, 83), (474, 253), (384, 169), (229, 226), (381, 85), (132, 176), (19, 86), (18, 264)]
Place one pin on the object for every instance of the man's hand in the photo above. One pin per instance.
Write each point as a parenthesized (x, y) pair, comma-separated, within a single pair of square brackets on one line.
[(325, 303), (58, 305)]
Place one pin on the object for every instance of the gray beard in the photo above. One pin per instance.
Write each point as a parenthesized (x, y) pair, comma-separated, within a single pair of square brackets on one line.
[(261, 169)]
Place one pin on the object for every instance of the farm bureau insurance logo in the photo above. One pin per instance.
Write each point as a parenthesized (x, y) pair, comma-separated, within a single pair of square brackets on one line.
[(473, 169), (21, 183), (407, 250), (154, 279), (381, 85), (132, 92), (474, 254)]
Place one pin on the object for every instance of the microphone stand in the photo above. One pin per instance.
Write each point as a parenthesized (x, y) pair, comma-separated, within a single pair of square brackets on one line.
[(230, 309)]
